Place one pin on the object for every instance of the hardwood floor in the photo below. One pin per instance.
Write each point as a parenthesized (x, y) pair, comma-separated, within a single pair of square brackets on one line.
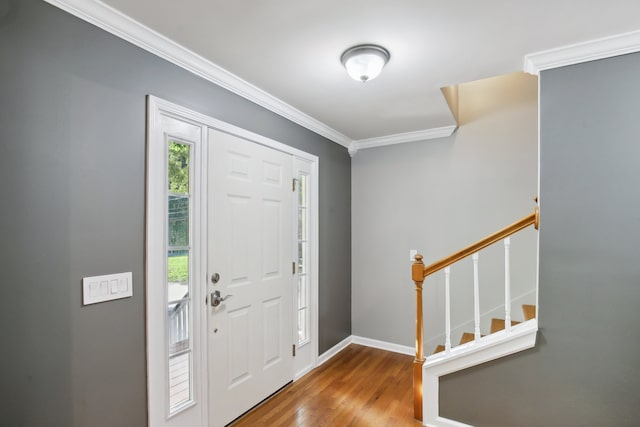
[(360, 386)]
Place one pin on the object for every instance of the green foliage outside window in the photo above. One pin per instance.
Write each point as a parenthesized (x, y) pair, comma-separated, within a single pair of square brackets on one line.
[(178, 268), (178, 210), (179, 156)]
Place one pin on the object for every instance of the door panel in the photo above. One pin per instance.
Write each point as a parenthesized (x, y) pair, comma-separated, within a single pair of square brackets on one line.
[(271, 333), (250, 239), (238, 222), (271, 240), (239, 345)]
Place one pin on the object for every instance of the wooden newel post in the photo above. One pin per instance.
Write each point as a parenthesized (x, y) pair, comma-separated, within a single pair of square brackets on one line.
[(417, 274)]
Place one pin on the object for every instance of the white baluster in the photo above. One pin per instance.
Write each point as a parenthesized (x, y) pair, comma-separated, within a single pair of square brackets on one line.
[(507, 285), (447, 306), (476, 296)]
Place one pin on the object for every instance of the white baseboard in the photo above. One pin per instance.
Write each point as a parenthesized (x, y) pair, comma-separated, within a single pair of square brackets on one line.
[(445, 422), (368, 342), (334, 350), (383, 345), (304, 371)]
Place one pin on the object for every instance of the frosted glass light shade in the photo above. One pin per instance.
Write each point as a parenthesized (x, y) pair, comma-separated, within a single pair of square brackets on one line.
[(365, 62)]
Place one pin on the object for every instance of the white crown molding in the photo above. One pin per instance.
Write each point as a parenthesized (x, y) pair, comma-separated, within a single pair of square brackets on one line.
[(582, 52), (353, 148), (401, 138), (117, 23)]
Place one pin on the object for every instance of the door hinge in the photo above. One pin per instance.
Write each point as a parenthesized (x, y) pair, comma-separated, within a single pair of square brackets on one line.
[(293, 267), (293, 184), (294, 350)]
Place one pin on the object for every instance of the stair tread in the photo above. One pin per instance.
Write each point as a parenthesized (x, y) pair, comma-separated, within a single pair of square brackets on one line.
[(529, 311), (468, 337), (498, 324)]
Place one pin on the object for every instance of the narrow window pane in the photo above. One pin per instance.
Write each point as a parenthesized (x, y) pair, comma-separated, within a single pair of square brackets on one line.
[(302, 325), (178, 314), (303, 260), (178, 270), (302, 224), (302, 291), (178, 220), (302, 193), (302, 257), (179, 157), (179, 380)]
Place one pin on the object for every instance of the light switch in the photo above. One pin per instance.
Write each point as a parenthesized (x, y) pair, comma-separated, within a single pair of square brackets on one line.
[(412, 254), (105, 288)]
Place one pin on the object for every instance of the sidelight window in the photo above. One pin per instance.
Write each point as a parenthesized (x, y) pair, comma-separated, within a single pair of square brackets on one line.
[(303, 259), (179, 283)]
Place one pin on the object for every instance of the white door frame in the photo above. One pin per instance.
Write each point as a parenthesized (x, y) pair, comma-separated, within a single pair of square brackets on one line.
[(306, 354), (156, 252)]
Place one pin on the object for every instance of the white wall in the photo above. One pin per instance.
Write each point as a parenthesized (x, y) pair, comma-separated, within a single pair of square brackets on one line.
[(438, 196)]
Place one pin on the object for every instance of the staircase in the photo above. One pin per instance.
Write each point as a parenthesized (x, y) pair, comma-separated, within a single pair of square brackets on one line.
[(497, 325), (506, 336)]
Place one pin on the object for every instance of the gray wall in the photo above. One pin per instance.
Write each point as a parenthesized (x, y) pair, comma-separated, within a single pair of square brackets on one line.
[(72, 121), (584, 370), (437, 197)]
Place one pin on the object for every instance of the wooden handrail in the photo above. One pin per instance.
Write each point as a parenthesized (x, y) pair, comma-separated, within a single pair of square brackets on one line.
[(418, 274), (532, 219)]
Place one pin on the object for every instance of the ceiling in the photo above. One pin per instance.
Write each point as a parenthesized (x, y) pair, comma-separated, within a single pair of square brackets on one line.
[(291, 49)]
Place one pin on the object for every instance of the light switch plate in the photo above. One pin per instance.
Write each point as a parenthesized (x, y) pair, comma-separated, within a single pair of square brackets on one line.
[(412, 254), (106, 288)]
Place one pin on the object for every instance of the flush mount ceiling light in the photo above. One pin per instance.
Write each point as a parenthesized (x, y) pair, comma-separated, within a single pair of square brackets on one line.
[(365, 62)]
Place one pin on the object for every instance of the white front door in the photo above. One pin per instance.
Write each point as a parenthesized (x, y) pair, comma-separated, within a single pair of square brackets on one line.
[(250, 255)]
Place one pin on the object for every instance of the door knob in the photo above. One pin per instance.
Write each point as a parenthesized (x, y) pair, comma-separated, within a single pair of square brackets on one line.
[(216, 299)]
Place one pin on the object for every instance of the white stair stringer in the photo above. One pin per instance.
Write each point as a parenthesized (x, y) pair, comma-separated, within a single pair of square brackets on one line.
[(491, 347)]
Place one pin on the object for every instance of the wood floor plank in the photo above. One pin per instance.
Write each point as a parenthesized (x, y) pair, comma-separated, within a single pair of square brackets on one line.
[(361, 386)]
